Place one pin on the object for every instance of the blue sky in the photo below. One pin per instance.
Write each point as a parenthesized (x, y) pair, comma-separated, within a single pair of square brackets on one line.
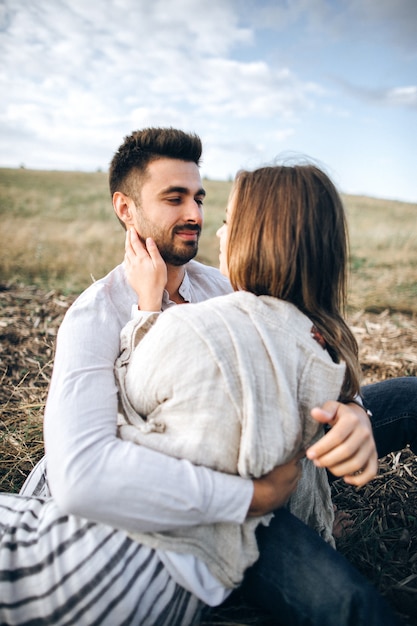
[(335, 80)]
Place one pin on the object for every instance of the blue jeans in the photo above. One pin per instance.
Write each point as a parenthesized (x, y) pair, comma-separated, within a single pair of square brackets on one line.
[(393, 404), (299, 578)]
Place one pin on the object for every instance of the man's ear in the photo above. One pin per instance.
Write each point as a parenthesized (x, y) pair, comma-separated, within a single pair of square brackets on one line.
[(124, 208)]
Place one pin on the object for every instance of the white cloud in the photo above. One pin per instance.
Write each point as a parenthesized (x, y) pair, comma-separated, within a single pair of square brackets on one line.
[(356, 21), (405, 96), (382, 19), (400, 97), (238, 90), (76, 77), (70, 66)]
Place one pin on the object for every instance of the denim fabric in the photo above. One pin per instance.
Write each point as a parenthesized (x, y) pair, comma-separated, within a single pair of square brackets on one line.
[(393, 404), (302, 581)]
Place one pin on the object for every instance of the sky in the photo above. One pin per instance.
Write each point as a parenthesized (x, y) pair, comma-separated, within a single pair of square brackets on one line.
[(259, 80)]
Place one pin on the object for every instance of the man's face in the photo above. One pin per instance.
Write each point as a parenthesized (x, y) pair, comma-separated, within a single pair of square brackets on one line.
[(170, 209)]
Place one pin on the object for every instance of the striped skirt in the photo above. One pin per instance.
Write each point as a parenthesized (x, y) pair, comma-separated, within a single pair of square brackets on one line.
[(60, 569), (36, 484)]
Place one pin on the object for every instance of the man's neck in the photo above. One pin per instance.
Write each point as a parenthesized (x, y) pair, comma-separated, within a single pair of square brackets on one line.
[(175, 278)]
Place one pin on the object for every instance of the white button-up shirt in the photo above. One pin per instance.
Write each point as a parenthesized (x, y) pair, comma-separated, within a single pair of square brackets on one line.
[(93, 473)]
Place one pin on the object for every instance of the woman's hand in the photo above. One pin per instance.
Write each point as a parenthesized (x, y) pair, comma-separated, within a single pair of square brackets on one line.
[(146, 271), (348, 449)]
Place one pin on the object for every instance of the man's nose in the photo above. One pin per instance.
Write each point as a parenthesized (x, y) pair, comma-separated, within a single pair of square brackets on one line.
[(194, 211)]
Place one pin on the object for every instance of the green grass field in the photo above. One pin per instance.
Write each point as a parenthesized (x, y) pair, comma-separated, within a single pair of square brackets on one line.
[(59, 232)]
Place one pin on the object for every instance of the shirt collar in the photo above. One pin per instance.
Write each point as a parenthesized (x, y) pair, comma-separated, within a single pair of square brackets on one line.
[(184, 291)]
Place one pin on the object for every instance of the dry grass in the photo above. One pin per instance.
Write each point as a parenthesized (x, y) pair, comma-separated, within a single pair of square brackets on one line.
[(28, 324), (383, 544), (58, 229)]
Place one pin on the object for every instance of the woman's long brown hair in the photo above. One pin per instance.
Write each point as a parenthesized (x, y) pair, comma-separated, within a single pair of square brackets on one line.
[(288, 238)]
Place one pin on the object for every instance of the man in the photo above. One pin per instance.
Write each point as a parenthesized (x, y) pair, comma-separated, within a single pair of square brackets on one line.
[(156, 189)]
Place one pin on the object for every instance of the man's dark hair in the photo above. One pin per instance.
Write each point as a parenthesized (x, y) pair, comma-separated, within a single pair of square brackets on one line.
[(144, 146)]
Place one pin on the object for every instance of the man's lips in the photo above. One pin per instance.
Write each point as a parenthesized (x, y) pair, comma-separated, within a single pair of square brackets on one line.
[(188, 234)]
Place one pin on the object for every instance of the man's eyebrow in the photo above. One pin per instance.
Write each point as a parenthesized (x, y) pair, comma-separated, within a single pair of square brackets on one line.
[(182, 190)]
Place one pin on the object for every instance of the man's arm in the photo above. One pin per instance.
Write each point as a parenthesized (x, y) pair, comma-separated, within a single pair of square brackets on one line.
[(273, 490), (94, 474)]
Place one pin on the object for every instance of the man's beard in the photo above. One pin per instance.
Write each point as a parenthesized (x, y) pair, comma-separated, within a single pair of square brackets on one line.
[(175, 253), (180, 253)]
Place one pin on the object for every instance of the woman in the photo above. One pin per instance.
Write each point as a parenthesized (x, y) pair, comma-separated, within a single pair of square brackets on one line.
[(264, 357)]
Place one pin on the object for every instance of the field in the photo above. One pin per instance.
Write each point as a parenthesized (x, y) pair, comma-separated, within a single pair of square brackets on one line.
[(59, 233)]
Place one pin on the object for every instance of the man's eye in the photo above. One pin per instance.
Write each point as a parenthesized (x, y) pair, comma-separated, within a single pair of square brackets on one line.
[(199, 201)]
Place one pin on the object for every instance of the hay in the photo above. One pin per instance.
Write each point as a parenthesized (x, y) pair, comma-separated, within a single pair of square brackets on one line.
[(387, 344), (29, 320), (383, 542)]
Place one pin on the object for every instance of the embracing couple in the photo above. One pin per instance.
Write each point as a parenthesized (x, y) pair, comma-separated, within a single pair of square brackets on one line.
[(187, 451)]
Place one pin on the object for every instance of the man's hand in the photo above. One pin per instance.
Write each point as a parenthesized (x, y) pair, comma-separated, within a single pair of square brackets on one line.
[(348, 449), (146, 271), (273, 490)]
